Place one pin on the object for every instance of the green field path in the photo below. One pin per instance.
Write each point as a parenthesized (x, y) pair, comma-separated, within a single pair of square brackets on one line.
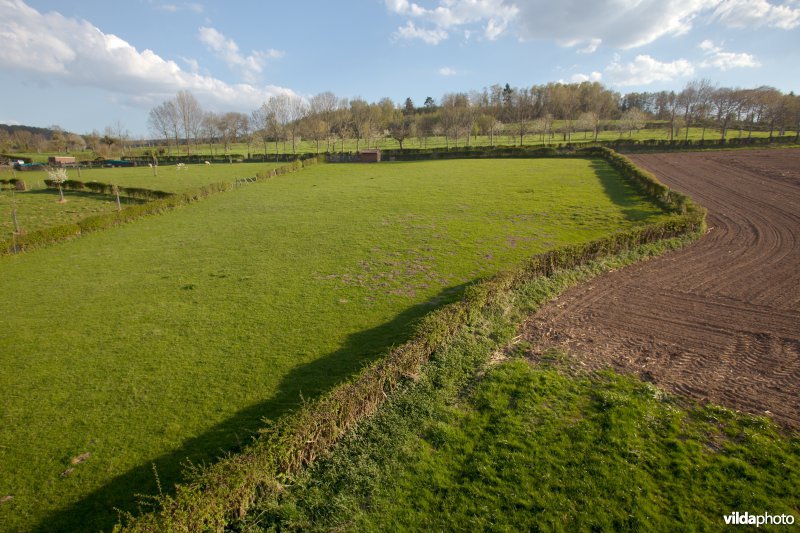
[(172, 337)]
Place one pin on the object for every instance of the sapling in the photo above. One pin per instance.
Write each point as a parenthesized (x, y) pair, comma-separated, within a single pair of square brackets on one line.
[(59, 176), (115, 190)]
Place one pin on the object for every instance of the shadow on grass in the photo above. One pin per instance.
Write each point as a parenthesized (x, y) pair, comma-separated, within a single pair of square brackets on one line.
[(89, 195), (97, 511), (622, 193)]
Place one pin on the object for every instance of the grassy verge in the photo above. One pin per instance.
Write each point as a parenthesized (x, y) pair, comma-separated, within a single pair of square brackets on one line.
[(540, 448)]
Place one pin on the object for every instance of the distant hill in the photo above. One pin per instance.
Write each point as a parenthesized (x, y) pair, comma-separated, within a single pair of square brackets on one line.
[(47, 133)]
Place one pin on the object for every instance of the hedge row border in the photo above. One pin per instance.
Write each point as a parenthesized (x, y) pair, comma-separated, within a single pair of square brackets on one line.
[(215, 496), (108, 188), (53, 234)]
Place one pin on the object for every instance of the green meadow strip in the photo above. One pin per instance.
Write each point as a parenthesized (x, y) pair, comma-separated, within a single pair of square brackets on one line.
[(166, 201), (218, 495)]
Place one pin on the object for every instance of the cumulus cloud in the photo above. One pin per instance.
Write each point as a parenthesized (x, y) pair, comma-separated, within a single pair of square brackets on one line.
[(620, 24), (644, 70), (430, 36), (227, 50), (493, 15), (580, 78), (716, 57), (51, 47), (447, 71), (746, 13)]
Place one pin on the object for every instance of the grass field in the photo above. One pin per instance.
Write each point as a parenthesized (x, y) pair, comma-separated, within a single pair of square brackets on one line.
[(168, 179), (170, 338), (543, 448), (38, 207)]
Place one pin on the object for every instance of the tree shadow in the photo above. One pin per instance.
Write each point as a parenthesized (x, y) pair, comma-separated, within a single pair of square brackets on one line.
[(89, 195), (98, 510), (622, 193)]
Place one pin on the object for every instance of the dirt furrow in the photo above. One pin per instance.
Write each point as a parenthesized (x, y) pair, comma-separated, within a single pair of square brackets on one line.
[(718, 320)]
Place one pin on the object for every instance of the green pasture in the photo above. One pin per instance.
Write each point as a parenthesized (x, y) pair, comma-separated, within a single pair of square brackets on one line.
[(39, 207), (128, 352), (507, 138), (165, 178), (609, 132), (542, 448)]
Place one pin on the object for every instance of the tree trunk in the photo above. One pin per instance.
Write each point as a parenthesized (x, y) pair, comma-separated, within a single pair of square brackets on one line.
[(16, 223)]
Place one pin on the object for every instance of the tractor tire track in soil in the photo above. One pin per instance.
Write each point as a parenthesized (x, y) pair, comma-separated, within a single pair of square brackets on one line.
[(718, 320)]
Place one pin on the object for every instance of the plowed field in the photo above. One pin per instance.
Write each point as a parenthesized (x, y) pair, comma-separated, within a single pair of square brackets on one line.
[(718, 320)]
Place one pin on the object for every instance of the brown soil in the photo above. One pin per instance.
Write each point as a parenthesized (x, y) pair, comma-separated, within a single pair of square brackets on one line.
[(718, 320)]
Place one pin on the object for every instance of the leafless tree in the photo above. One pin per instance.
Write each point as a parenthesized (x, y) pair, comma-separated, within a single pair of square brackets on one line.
[(163, 121), (297, 110), (190, 116), (726, 103), (632, 119)]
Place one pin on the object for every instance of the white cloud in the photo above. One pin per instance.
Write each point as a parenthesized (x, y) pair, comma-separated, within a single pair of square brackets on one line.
[(186, 6), (447, 71), (53, 48), (493, 15), (227, 50), (709, 46), (745, 13), (193, 64), (410, 31), (717, 58), (591, 46), (644, 70), (579, 78), (616, 23), (621, 24)]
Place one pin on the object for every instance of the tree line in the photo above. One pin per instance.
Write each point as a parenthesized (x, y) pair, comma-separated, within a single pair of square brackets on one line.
[(114, 141), (540, 113)]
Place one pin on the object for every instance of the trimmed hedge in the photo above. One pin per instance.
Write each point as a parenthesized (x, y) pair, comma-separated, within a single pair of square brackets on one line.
[(215, 496), (108, 188), (43, 237), (643, 180), (421, 154)]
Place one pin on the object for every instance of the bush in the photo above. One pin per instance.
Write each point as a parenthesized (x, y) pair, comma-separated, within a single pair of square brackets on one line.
[(73, 185), (99, 188), (42, 237)]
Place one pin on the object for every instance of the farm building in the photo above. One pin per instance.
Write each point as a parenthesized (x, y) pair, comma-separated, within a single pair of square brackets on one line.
[(372, 155), (60, 161)]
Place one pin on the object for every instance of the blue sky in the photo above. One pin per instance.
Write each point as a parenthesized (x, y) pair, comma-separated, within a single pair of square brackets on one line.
[(89, 64)]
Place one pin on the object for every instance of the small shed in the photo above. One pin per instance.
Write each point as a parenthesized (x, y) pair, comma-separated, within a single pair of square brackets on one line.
[(372, 155), (60, 161)]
